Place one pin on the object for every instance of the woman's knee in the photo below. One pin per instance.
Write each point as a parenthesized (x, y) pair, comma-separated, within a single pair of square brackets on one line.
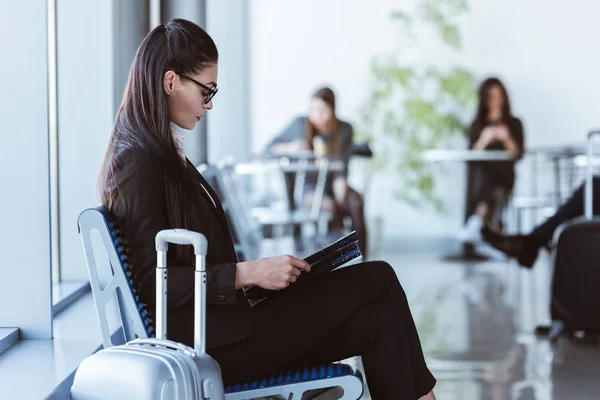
[(374, 280), (383, 268), (355, 201), (382, 272)]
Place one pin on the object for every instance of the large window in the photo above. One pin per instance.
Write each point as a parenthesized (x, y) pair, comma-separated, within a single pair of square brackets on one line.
[(60, 94), (24, 159), (92, 71)]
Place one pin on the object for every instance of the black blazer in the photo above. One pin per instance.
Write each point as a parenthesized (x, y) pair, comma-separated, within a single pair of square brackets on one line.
[(503, 172), (141, 211)]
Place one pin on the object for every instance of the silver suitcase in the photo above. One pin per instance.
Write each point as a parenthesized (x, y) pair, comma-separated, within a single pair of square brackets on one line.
[(157, 369)]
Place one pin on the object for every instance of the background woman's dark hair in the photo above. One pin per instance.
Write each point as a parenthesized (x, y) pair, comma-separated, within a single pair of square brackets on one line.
[(482, 109), (327, 95), (143, 121)]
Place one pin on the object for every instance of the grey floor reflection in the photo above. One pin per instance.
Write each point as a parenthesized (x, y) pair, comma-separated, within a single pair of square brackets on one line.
[(476, 328)]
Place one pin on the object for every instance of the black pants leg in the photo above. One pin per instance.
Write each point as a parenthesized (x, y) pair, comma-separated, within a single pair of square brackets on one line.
[(485, 187), (572, 208), (355, 207), (359, 310), (479, 184)]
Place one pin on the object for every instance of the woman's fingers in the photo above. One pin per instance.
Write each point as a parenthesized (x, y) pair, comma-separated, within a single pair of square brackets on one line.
[(282, 285), (279, 272), (301, 264), (293, 271)]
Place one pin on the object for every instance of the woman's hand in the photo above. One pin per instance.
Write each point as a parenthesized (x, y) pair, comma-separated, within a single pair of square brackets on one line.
[(502, 133), (273, 273), (487, 136), (499, 133)]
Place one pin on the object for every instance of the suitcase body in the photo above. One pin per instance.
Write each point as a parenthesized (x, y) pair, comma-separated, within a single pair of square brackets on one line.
[(575, 302), (157, 368), (575, 294), (142, 370)]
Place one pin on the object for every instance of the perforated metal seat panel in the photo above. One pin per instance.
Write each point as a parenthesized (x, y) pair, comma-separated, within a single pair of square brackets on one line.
[(122, 252), (112, 228), (297, 376)]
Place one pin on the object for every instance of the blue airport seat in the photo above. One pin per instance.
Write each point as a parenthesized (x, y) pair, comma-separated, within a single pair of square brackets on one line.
[(137, 322)]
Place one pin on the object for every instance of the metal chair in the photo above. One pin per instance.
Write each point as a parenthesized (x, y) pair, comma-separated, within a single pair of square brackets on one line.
[(291, 173), (243, 229), (113, 278)]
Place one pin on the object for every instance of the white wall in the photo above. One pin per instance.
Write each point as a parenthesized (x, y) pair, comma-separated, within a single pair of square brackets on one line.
[(25, 295), (545, 51)]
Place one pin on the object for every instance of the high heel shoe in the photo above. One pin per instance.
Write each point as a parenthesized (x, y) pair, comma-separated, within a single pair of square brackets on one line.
[(521, 247)]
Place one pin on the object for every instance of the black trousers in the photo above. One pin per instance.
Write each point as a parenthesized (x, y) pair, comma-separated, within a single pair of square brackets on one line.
[(358, 310), (354, 207), (356, 211), (573, 207), (489, 183)]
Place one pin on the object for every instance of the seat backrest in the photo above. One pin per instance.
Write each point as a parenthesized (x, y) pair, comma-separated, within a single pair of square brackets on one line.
[(111, 275)]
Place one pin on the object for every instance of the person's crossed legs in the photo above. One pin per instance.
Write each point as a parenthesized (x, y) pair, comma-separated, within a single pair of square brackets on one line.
[(358, 310)]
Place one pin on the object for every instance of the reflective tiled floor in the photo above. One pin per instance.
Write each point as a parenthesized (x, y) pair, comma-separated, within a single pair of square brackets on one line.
[(476, 321)]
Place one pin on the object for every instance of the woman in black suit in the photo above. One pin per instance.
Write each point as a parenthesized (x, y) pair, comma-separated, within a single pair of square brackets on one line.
[(147, 182), (490, 182)]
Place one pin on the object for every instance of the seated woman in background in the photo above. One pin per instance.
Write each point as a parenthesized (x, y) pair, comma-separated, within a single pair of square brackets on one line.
[(490, 182), (322, 132)]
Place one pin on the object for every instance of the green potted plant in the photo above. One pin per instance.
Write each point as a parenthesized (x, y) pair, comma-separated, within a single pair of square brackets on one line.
[(415, 103)]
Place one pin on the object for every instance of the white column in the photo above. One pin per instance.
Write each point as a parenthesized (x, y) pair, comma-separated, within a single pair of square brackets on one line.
[(225, 130), (229, 121), (131, 23), (195, 11), (25, 287)]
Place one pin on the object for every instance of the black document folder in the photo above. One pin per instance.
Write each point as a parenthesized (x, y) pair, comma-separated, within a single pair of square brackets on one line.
[(327, 259)]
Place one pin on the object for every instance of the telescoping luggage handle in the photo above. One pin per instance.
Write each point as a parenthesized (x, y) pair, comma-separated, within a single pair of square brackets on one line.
[(588, 199), (183, 237)]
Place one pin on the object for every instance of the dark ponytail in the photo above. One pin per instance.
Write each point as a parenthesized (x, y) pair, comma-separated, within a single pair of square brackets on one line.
[(143, 122)]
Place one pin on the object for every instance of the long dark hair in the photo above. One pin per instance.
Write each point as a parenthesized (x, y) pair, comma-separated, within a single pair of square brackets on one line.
[(327, 95), (143, 122), (480, 120)]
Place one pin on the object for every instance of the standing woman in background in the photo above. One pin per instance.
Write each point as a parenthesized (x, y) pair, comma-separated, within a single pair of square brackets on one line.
[(490, 182), (322, 132)]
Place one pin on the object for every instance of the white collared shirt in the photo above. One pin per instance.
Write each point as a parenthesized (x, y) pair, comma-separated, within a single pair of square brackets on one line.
[(181, 150)]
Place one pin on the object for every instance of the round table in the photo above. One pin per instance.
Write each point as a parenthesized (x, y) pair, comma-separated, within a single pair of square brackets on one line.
[(450, 155)]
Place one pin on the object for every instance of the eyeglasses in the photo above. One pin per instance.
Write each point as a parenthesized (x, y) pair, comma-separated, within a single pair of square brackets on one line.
[(211, 90)]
